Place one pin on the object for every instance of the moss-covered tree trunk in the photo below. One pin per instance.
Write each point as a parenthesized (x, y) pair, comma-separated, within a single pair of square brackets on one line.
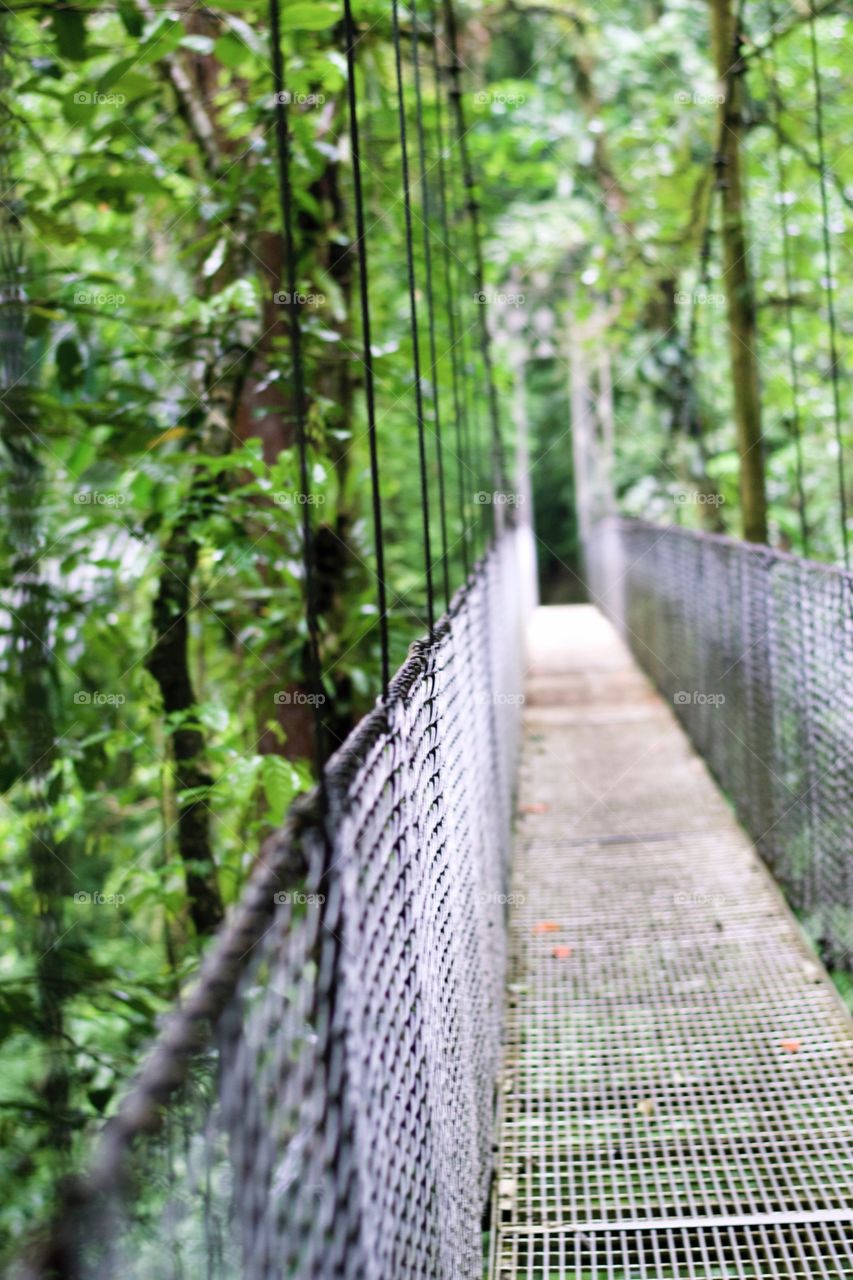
[(169, 663), (740, 294)]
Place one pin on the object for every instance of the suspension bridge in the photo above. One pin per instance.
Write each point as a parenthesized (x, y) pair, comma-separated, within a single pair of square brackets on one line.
[(522, 989)]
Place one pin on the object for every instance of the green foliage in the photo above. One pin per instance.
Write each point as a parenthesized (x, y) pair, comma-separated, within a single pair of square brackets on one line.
[(596, 138), (150, 416)]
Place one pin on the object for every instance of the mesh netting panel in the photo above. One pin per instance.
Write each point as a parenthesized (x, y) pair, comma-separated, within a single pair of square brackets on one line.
[(322, 1105), (754, 648)]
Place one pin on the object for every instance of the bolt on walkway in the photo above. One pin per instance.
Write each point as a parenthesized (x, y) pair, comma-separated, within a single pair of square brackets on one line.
[(677, 1091)]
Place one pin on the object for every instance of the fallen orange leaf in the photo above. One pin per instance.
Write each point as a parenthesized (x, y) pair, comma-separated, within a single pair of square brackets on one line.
[(792, 1046), (561, 953), (533, 808), (546, 926)]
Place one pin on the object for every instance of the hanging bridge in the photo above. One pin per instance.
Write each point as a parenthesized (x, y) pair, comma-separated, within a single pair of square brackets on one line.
[(522, 989), (613, 966)]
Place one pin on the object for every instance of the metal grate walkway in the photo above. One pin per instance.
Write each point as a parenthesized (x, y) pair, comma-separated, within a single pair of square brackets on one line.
[(677, 1091)]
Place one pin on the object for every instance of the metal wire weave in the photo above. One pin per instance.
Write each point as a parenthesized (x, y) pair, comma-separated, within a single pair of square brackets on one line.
[(322, 1104), (675, 1100), (754, 648)]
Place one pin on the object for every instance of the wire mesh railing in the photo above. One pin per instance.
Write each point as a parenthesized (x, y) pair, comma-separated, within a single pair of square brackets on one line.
[(754, 648), (321, 1104)]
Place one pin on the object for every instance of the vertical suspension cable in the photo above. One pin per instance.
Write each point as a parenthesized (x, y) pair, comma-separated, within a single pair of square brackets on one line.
[(829, 286), (444, 223), (433, 354), (282, 130), (471, 400), (498, 475), (369, 388), (793, 368), (473, 434), (413, 311)]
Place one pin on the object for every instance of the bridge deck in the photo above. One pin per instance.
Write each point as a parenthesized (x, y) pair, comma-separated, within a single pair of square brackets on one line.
[(677, 1093)]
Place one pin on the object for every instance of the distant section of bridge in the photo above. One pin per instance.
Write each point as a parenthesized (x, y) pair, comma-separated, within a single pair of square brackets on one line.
[(675, 1098)]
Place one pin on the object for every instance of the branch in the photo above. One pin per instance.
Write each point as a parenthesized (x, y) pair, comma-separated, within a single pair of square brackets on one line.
[(190, 107), (817, 11), (800, 150)]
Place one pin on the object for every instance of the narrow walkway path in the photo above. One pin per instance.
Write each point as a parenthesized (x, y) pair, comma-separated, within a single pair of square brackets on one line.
[(677, 1095)]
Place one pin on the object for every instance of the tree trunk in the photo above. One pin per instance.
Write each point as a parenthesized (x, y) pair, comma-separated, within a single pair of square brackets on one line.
[(168, 662), (36, 736), (743, 329), (29, 730)]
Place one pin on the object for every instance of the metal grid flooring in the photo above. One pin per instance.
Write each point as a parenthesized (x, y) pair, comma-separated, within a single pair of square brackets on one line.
[(677, 1091)]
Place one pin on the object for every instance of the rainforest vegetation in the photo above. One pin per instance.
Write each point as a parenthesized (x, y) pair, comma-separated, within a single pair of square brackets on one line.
[(664, 193)]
